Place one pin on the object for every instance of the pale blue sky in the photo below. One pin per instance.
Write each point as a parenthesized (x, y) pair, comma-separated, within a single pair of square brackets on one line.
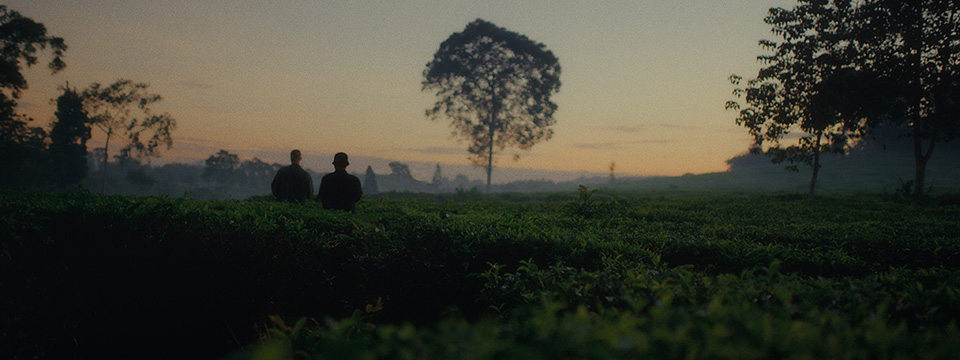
[(643, 82)]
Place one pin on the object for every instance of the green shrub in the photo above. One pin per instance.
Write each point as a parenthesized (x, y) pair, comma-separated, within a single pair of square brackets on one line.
[(589, 276)]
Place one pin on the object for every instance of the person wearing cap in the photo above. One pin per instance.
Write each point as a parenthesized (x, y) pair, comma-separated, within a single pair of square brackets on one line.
[(293, 183), (340, 190)]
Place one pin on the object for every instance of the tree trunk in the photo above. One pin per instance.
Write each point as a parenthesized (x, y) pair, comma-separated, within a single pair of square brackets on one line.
[(920, 158), (816, 167), (919, 178), (106, 158), (490, 158)]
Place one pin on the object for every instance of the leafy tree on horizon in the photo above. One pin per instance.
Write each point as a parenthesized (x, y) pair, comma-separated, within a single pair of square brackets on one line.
[(123, 108), (258, 168), (370, 182), (68, 139), (256, 173), (221, 166), (437, 177), (400, 169), (494, 85)]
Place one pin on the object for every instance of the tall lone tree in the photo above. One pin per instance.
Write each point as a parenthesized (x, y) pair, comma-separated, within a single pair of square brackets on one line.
[(123, 108), (494, 85)]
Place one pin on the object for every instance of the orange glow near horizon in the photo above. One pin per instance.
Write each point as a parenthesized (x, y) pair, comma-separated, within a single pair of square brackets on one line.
[(643, 82)]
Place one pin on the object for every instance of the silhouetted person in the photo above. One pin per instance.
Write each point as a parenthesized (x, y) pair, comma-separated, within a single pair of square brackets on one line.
[(339, 190), (293, 183)]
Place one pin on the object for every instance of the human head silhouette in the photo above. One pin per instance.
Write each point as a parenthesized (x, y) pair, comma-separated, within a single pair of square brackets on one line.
[(295, 156), (340, 160)]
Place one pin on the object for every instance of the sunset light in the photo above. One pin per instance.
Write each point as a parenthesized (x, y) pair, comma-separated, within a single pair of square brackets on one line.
[(643, 82)]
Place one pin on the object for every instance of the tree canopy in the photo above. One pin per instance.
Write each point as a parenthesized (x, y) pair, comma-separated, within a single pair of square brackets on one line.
[(845, 67), (803, 85), (221, 166), (912, 46), (21, 146), (125, 107), (494, 85), (68, 139), (400, 169), (20, 39)]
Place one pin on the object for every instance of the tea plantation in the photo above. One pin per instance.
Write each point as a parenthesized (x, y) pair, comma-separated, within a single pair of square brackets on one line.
[(518, 276)]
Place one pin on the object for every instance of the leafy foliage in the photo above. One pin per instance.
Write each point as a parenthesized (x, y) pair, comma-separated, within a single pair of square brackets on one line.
[(68, 139), (808, 82), (123, 108), (495, 87), (844, 67), (20, 38), (589, 276), (220, 166), (913, 47), (21, 146)]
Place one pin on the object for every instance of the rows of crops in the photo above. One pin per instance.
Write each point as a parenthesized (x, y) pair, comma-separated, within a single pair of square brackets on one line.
[(579, 275)]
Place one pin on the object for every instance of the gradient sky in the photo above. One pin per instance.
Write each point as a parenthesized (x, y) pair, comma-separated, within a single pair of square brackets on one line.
[(644, 82)]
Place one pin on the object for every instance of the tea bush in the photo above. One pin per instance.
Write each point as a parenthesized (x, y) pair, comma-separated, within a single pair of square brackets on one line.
[(587, 275)]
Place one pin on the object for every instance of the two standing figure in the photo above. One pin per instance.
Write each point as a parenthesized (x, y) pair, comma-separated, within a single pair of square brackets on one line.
[(338, 190)]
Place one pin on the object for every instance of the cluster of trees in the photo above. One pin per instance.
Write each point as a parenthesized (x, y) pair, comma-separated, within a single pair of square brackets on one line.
[(226, 168), (400, 179), (845, 68), (34, 157), (222, 175)]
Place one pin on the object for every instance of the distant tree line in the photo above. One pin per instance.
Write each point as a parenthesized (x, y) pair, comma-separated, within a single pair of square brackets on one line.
[(222, 175), (225, 175), (844, 69)]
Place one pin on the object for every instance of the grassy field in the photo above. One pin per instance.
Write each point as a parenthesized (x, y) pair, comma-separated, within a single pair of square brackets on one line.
[(587, 275)]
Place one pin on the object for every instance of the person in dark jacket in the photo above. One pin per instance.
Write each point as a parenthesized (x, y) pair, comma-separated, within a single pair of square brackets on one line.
[(340, 190), (293, 183)]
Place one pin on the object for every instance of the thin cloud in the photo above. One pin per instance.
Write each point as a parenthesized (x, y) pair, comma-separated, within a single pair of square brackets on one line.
[(632, 129), (737, 130), (613, 145), (199, 141), (196, 85), (439, 150), (681, 127), (648, 127)]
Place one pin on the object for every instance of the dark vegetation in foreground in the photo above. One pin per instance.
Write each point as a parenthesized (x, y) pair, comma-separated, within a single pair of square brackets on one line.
[(588, 275)]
